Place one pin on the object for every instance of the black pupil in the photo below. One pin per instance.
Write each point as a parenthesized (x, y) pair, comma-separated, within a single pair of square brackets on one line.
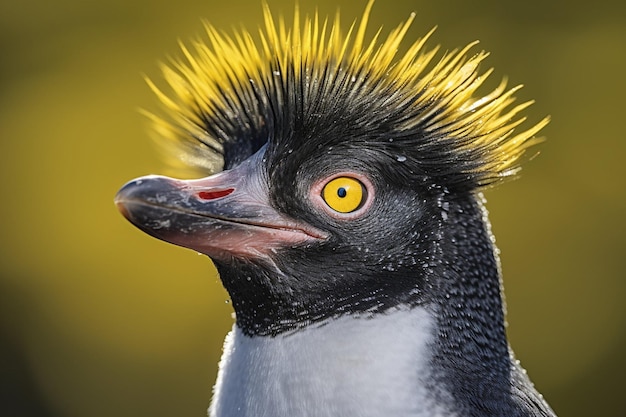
[(341, 192)]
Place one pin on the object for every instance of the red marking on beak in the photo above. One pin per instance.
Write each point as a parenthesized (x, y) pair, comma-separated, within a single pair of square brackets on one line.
[(213, 195)]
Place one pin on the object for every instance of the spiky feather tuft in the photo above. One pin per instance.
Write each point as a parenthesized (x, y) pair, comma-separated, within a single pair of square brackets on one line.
[(232, 94)]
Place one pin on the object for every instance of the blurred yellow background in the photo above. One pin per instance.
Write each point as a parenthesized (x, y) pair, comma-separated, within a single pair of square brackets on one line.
[(97, 319)]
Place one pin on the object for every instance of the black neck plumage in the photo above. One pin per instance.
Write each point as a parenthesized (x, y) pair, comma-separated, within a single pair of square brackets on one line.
[(471, 350)]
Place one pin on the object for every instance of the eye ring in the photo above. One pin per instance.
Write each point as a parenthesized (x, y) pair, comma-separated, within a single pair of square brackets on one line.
[(344, 195)]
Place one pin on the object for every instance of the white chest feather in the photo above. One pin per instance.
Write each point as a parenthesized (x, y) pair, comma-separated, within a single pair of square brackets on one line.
[(344, 367)]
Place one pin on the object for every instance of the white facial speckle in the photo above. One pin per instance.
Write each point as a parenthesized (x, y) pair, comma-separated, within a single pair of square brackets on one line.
[(161, 224)]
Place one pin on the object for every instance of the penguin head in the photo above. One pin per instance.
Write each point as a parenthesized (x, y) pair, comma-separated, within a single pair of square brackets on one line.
[(334, 165)]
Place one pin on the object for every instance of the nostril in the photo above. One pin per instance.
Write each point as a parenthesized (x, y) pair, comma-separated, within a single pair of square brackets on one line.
[(212, 195)]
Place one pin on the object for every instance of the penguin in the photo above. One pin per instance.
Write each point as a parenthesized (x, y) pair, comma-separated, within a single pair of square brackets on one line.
[(341, 203)]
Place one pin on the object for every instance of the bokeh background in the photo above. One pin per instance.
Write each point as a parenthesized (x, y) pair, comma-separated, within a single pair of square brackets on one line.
[(97, 319)]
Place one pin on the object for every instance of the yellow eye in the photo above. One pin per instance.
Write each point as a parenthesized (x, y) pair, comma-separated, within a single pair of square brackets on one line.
[(344, 194)]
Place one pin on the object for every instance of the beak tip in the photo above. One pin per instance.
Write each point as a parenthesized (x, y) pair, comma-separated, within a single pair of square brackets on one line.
[(121, 207), (122, 196)]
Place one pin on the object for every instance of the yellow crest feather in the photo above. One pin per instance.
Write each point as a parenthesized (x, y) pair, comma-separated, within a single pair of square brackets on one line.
[(217, 88)]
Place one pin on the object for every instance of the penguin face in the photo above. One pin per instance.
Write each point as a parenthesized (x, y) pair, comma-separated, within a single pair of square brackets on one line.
[(257, 210), (332, 232)]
